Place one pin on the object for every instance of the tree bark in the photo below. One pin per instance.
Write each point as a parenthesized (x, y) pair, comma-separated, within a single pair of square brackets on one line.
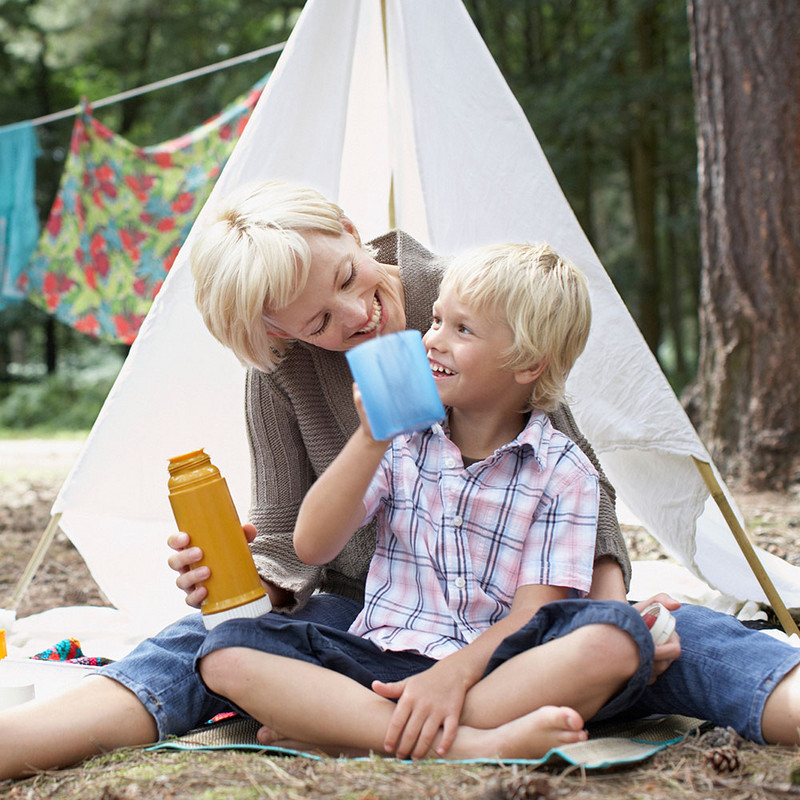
[(746, 71)]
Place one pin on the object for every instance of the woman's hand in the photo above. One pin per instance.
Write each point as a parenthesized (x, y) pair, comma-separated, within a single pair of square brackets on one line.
[(184, 561), (665, 653)]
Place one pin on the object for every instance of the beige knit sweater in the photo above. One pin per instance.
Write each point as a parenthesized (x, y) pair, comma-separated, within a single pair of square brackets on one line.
[(299, 417)]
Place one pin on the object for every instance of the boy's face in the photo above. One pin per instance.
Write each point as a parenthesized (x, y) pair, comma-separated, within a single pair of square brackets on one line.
[(465, 350)]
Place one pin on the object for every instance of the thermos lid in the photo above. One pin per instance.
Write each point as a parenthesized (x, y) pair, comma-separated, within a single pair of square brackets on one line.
[(251, 610)]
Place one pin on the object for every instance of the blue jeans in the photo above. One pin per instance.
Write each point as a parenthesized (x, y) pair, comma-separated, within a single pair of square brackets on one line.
[(364, 662), (160, 670), (725, 672)]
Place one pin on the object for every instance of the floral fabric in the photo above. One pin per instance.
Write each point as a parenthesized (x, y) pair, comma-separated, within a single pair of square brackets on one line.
[(120, 217)]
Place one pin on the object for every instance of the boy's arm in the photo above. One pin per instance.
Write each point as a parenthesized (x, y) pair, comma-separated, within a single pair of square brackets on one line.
[(333, 507), (434, 699)]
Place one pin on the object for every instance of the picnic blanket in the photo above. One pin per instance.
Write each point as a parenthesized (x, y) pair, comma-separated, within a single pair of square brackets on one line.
[(609, 744)]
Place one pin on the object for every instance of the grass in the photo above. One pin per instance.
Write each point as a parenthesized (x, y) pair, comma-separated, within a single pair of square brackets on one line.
[(681, 771)]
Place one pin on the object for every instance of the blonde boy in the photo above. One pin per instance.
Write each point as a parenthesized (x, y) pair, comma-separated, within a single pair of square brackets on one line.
[(482, 521)]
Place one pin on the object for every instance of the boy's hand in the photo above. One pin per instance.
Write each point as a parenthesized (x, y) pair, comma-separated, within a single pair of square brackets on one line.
[(427, 703), (362, 414), (665, 653), (183, 560)]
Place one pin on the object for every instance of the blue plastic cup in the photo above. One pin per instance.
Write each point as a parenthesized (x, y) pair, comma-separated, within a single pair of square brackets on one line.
[(396, 384)]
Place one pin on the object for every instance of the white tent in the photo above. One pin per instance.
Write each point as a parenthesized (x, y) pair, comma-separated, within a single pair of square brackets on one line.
[(369, 99)]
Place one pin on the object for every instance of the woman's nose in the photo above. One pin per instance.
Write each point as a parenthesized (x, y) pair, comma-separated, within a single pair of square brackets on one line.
[(354, 312)]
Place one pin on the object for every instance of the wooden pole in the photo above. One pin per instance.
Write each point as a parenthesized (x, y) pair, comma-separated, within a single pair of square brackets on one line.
[(35, 561), (392, 214), (778, 606)]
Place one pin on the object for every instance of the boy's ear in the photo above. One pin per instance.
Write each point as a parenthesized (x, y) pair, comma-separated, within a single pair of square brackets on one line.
[(350, 228), (523, 376)]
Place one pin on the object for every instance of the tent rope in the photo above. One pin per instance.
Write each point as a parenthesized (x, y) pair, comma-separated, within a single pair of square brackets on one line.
[(151, 87)]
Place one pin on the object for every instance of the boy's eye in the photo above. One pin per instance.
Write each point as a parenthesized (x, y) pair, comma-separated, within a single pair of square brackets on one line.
[(464, 329), (435, 321)]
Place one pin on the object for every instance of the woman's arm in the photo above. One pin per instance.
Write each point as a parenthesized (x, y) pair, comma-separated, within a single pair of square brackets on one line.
[(610, 546), (281, 474)]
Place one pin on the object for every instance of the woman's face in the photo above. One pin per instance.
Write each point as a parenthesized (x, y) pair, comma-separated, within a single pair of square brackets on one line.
[(349, 297)]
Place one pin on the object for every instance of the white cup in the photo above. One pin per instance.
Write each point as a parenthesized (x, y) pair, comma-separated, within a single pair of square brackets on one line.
[(14, 694)]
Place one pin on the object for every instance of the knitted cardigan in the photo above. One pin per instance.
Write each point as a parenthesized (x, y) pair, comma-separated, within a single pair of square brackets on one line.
[(299, 417)]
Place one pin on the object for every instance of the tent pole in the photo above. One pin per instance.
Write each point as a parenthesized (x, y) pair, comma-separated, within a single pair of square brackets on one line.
[(35, 561), (778, 606), (392, 215)]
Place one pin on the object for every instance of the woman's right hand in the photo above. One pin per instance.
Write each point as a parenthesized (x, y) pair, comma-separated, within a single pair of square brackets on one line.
[(184, 559)]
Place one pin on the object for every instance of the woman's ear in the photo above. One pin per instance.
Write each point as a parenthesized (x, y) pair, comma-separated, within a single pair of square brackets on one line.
[(350, 228), (529, 375)]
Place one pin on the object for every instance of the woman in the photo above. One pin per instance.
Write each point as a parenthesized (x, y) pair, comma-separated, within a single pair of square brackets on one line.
[(300, 413), (298, 395)]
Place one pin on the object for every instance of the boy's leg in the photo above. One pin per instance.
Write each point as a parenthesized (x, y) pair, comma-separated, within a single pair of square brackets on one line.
[(731, 675), (576, 653), (97, 715), (304, 702)]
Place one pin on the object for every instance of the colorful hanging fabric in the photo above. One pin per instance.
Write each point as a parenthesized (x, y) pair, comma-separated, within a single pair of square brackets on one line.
[(121, 215), (19, 222)]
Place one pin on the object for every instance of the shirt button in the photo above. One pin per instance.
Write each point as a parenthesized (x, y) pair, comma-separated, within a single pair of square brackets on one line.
[(460, 582), (450, 462), (457, 521)]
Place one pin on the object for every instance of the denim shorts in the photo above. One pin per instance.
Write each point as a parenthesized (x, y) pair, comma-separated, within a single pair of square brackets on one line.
[(725, 672), (160, 670), (364, 662)]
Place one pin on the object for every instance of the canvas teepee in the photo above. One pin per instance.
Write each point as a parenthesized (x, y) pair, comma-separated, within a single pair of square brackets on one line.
[(375, 99)]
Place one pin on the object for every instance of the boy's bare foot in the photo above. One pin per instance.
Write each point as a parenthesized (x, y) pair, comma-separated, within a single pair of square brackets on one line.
[(529, 736)]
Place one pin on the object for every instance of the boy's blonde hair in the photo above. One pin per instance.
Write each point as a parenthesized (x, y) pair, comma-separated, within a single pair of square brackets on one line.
[(252, 259), (543, 298)]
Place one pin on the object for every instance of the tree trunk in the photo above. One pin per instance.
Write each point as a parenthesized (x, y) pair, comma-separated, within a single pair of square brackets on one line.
[(643, 148), (746, 70)]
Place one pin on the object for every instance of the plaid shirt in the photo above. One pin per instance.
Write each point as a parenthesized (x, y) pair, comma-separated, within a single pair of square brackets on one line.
[(455, 543)]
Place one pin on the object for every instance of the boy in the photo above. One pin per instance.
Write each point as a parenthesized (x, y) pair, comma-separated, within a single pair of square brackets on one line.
[(481, 522)]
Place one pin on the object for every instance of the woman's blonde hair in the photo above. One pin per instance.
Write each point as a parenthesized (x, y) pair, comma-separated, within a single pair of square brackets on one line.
[(252, 259), (543, 298)]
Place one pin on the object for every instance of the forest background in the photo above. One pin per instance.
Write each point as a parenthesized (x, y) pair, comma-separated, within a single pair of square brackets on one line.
[(620, 94)]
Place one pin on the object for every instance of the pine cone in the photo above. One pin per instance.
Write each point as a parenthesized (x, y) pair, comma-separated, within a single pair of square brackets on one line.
[(521, 787), (723, 759), (721, 737)]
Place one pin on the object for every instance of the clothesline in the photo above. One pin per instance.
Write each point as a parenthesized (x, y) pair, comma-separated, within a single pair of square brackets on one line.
[(151, 87)]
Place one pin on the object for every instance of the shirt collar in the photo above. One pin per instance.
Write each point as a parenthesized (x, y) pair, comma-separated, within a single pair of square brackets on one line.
[(535, 436)]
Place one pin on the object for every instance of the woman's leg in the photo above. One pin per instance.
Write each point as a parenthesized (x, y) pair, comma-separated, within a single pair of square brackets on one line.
[(97, 715), (731, 675), (150, 693), (780, 721)]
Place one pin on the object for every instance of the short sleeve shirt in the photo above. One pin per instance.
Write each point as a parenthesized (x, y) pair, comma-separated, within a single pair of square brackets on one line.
[(455, 543)]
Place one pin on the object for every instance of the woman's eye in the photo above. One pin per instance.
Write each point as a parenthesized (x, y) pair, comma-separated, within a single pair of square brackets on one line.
[(326, 319), (351, 277)]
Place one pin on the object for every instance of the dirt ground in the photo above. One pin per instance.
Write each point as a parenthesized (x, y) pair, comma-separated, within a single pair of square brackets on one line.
[(31, 473)]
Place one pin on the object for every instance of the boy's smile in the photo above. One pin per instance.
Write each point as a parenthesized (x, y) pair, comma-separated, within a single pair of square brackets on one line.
[(466, 351)]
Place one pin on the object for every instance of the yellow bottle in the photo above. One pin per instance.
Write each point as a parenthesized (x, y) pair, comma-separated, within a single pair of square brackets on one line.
[(204, 509)]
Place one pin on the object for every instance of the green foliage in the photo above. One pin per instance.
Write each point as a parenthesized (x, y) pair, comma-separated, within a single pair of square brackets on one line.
[(596, 81), (68, 400)]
